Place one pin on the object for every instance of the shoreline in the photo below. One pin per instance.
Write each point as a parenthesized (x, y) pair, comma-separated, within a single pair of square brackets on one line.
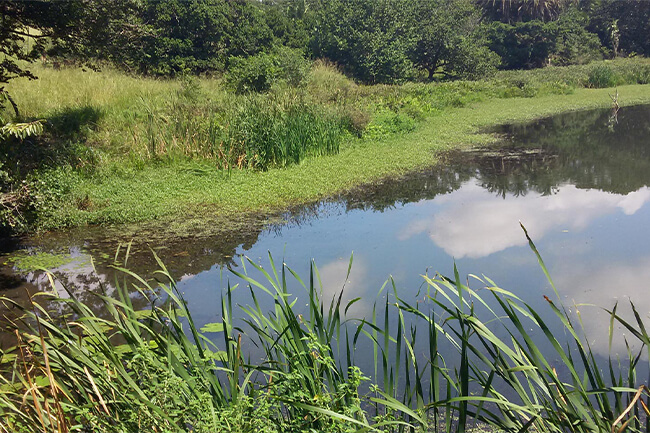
[(213, 197)]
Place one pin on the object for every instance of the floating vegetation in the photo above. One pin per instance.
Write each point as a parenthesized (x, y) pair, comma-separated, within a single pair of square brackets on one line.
[(32, 260)]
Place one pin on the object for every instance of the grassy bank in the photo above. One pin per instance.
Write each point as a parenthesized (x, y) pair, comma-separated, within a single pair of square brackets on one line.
[(106, 367), (122, 149)]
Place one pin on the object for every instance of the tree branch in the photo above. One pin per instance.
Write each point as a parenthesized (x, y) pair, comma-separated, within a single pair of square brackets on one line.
[(11, 100), (18, 32)]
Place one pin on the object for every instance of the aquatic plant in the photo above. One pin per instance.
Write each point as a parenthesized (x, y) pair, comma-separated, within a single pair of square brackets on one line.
[(76, 369)]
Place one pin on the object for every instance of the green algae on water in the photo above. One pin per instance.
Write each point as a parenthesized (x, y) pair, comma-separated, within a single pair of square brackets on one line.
[(34, 260)]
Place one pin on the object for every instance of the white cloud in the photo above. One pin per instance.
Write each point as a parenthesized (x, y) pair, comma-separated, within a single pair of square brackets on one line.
[(333, 277)]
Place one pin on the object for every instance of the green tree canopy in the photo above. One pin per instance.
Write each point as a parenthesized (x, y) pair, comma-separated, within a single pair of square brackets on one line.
[(383, 41), (370, 39), (450, 40), (194, 36)]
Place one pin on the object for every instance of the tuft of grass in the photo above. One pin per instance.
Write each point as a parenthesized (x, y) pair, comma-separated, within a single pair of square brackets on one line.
[(601, 76)]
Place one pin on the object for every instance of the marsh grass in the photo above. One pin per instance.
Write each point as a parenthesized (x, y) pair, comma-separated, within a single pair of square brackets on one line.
[(192, 116), (606, 73), (74, 369), (124, 143)]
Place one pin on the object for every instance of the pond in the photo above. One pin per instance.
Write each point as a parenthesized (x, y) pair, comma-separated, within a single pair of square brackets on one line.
[(578, 183)]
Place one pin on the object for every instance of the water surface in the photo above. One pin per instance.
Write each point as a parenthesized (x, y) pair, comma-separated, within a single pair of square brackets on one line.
[(578, 182)]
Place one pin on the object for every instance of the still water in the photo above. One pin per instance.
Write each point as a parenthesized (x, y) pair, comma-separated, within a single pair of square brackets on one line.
[(578, 182)]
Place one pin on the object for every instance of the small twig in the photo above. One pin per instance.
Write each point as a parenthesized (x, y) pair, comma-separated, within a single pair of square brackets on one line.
[(636, 398), (615, 100)]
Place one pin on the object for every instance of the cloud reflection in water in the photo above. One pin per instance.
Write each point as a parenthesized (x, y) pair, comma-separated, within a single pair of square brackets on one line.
[(474, 223)]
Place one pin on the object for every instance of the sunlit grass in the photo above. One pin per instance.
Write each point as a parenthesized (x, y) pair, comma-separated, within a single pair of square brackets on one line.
[(173, 150)]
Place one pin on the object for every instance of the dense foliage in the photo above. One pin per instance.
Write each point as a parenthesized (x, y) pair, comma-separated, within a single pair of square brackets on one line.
[(273, 105), (375, 41)]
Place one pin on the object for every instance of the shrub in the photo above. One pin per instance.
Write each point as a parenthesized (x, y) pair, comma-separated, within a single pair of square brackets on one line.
[(260, 72), (326, 83), (386, 123), (601, 76), (637, 73), (355, 120), (293, 66), (252, 74), (277, 135)]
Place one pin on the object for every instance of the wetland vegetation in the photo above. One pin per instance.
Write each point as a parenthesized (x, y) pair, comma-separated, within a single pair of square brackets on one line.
[(185, 117), (119, 149), (118, 368), (190, 117)]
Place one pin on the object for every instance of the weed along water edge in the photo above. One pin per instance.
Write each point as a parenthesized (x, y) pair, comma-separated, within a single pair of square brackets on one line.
[(381, 339)]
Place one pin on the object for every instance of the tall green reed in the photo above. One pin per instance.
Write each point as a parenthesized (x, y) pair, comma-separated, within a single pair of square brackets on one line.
[(253, 131), (113, 367), (460, 358)]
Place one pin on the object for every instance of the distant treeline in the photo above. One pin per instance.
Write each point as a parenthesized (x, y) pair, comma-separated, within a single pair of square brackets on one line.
[(373, 41)]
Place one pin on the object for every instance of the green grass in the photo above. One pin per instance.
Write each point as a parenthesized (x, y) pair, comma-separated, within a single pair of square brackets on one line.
[(147, 150), (127, 194), (112, 368)]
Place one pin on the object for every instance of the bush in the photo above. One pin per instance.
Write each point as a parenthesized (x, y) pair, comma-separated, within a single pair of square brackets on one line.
[(355, 120), (326, 83), (260, 72), (637, 73), (293, 66), (277, 135), (601, 76), (386, 123)]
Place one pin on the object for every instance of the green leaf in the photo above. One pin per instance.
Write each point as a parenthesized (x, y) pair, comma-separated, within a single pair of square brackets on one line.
[(213, 327)]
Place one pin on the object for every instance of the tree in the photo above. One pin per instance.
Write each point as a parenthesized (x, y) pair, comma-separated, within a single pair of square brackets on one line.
[(535, 43), (450, 40), (151, 37), (370, 39), (286, 19), (523, 45), (24, 27), (103, 30), (189, 36), (510, 11), (622, 25), (84, 29)]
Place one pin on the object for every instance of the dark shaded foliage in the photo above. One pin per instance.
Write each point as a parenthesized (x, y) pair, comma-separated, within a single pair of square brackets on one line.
[(623, 26), (534, 44)]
